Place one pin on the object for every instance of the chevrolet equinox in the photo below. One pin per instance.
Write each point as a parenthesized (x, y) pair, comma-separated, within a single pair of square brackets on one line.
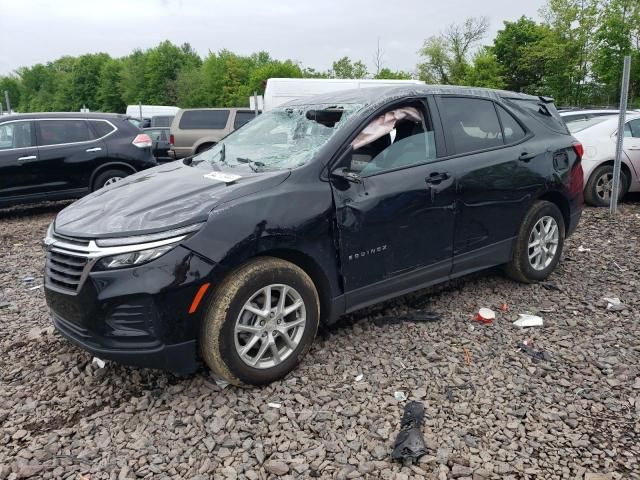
[(315, 209)]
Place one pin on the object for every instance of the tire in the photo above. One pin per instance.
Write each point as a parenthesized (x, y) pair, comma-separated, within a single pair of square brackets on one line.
[(521, 268), (107, 177), (595, 195), (221, 344), (204, 147)]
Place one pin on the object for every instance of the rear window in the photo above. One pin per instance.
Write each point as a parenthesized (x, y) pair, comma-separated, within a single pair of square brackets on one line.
[(544, 112), (242, 118), (55, 132), (204, 119), (161, 121), (102, 128), (513, 131), (471, 124)]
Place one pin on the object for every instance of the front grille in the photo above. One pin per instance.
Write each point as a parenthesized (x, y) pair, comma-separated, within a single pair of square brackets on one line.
[(65, 270)]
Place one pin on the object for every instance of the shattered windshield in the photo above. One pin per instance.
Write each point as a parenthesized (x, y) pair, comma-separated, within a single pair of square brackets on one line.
[(284, 138)]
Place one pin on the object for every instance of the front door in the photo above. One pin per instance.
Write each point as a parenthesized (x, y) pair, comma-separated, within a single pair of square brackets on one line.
[(394, 210), (631, 143), (19, 176)]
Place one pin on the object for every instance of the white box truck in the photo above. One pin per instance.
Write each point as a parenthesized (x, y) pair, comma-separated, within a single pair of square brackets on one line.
[(282, 90)]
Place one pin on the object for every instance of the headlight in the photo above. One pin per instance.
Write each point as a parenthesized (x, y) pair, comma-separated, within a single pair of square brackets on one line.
[(134, 258)]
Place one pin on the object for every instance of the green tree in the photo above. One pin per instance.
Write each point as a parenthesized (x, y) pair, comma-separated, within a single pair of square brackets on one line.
[(109, 93), (485, 70), (446, 56), (10, 84), (388, 74), (346, 68)]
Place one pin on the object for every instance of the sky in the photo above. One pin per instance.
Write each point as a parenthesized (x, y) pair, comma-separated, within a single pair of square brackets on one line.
[(315, 33)]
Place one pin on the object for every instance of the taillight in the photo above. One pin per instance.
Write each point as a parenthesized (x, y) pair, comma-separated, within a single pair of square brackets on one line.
[(577, 146), (171, 139), (142, 140)]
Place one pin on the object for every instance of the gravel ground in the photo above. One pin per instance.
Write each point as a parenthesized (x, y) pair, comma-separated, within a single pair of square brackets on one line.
[(572, 415)]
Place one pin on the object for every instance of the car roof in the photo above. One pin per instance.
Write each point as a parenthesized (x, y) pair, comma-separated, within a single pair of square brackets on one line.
[(609, 123), (39, 115), (379, 95)]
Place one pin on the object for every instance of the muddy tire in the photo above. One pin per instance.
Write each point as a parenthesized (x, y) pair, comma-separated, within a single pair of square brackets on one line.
[(539, 244), (597, 192), (260, 322)]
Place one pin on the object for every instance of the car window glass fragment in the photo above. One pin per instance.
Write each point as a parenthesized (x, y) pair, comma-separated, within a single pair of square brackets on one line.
[(282, 138)]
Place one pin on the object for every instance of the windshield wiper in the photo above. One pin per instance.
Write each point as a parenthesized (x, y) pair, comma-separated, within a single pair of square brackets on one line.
[(253, 165)]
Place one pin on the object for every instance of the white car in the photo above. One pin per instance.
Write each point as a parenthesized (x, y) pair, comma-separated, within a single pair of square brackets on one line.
[(598, 138)]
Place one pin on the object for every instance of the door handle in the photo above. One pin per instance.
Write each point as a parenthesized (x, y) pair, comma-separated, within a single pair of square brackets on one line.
[(27, 158), (96, 149), (526, 156), (436, 177)]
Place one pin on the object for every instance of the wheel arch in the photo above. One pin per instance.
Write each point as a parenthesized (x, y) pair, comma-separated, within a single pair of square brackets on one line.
[(560, 201), (312, 268), (623, 165), (203, 142), (107, 166)]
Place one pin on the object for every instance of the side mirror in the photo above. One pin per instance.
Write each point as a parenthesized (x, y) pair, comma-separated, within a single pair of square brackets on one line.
[(345, 174)]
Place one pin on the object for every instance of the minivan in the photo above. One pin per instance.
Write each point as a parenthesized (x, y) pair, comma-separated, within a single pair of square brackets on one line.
[(194, 130), (315, 209), (57, 156)]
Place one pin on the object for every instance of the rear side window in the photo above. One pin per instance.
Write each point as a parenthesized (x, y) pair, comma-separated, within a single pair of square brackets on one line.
[(242, 118), (204, 119), (161, 121), (55, 132), (632, 129), (512, 131), (16, 135), (101, 128), (544, 112), (470, 124)]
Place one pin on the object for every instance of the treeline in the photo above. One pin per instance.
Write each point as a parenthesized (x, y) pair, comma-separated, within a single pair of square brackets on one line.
[(574, 54)]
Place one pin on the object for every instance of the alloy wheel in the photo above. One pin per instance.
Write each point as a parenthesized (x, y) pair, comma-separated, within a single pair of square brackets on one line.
[(604, 186), (112, 180), (543, 243), (270, 326)]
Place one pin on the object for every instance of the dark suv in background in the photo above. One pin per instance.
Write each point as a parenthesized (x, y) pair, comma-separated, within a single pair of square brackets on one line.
[(56, 156), (315, 209)]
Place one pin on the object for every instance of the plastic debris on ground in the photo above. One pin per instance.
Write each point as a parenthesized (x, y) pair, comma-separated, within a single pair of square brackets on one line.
[(467, 356), (486, 316), (583, 249), (409, 443), (359, 377), (98, 362), (28, 279), (528, 320), (613, 304), (219, 382), (35, 288), (527, 347), (504, 307), (274, 405), (417, 316), (400, 396)]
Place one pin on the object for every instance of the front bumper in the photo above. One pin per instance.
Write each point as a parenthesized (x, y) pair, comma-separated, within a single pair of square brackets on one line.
[(137, 316)]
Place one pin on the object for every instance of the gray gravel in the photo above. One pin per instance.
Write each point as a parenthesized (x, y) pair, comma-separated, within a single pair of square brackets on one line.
[(575, 415)]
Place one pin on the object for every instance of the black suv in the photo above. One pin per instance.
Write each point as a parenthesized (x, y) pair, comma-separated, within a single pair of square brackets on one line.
[(315, 209), (55, 156)]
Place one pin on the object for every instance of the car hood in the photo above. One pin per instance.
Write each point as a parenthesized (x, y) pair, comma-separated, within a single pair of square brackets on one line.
[(161, 198)]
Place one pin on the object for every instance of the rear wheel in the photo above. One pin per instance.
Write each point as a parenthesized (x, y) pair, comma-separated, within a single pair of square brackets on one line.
[(600, 186), (539, 244), (109, 177), (260, 322)]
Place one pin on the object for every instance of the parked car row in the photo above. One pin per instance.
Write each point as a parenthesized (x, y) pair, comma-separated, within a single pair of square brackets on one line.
[(54, 156)]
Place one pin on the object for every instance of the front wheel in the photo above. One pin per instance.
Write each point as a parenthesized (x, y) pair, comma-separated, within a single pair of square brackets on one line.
[(108, 177), (260, 322), (538, 245)]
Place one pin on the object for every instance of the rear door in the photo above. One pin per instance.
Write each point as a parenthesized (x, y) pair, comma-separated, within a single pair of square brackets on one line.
[(497, 177), (19, 174), (631, 143), (242, 117), (69, 151)]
